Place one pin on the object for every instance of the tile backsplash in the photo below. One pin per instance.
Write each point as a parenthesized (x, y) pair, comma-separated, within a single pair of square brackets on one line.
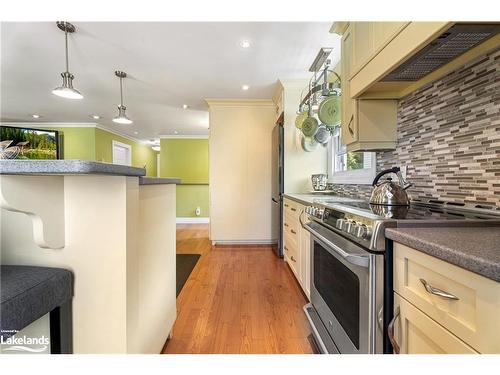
[(449, 137)]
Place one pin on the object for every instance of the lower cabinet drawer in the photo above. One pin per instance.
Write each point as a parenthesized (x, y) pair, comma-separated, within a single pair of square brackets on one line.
[(416, 333), (466, 304), (291, 254), (291, 207)]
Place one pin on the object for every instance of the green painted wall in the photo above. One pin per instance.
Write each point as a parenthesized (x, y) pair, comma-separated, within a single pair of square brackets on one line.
[(189, 197), (142, 155), (96, 144), (78, 143), (187, 159)]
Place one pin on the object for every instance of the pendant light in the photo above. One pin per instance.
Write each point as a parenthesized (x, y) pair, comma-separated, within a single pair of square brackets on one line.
[(66, 90), (122, 116)]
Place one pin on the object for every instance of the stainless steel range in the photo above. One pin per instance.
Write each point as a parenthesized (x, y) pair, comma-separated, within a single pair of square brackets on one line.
[(352, 266)]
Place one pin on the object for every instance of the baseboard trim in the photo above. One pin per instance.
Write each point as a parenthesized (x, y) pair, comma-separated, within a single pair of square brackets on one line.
[(243, 242), (192, 220)]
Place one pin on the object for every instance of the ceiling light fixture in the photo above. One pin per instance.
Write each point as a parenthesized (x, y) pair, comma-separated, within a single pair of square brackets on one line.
[(176, 132), (95, 117), (35, 116), (156, 148), (122, 116), (66, 90), (245, 87), (245, 44), (185, 106), (136, 133)]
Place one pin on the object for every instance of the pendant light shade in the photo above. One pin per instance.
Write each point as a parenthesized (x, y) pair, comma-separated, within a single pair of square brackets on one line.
[(66, 90), (122, 116)]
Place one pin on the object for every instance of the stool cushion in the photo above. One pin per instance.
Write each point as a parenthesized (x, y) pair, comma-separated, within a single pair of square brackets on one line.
[(27, 293)]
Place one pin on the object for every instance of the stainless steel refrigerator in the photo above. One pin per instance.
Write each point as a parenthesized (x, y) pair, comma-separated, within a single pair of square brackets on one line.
[(277, 181)]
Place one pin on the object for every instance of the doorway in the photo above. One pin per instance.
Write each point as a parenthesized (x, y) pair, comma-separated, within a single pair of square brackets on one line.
[(122, 153)]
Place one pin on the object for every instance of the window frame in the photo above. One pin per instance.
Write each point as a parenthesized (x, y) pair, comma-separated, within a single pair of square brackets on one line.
[(363, 176)]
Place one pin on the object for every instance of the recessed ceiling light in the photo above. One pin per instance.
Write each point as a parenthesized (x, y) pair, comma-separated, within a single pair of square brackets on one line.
[(95, 117), (136, 133), (245, 87), (245, 44), (185, 106), (35, 115), (176, 132), (156, 148)]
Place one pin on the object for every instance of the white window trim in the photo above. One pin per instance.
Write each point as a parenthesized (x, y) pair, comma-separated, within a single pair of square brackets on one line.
[(357, 177), (124, 145)]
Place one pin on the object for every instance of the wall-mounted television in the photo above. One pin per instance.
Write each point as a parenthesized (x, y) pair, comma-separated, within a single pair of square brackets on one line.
[(29, 143)]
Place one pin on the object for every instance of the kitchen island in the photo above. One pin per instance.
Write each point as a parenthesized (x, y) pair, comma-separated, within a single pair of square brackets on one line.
[(114, 229)]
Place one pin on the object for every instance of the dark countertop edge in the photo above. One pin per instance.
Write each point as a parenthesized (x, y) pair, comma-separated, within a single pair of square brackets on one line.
[(469, 262), (67, 167), (159, 181)]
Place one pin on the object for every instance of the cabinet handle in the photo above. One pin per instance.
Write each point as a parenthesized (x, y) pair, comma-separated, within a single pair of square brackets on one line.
[(293, 259), (438, 292), (286, 248), (351, 131), (286, 205), (390, 332), (285, 224), (293, 209), (291, 230)]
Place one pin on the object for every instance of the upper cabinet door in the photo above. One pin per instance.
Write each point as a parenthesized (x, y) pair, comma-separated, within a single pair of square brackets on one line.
[(383, 32), (349, 123), (369, 38), (362, 45)]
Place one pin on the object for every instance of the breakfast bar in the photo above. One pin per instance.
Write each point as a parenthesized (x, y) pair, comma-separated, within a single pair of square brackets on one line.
[(114, 229)]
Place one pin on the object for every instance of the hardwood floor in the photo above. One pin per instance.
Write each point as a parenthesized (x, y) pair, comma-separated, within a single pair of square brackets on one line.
[(237, 300)]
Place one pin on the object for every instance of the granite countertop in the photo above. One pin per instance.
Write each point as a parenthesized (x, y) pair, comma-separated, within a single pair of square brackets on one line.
[(319, 198), (159, 180), (67, 167), (476, 249)]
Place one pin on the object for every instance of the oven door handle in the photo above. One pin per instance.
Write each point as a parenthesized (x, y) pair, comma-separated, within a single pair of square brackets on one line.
[(359, 260)]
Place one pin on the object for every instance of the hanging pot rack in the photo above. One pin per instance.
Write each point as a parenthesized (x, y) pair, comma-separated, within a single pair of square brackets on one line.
[(321, 84)]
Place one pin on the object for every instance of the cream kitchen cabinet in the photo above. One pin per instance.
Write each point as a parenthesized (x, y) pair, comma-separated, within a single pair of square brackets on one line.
[(369, 38), (443, 308), (296, 244), (367, 124), (418, 334)]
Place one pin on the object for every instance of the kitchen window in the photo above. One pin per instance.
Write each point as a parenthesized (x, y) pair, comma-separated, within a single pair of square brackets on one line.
[(349, 167)]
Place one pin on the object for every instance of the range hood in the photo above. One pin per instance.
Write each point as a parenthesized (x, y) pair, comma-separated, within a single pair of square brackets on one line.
[(455, 41)]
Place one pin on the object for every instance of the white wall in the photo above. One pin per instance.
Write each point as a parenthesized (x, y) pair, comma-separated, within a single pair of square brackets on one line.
[(299, 165), (240, 170)]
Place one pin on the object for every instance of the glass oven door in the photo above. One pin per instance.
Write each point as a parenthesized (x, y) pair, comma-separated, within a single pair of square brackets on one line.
[(340, 289)]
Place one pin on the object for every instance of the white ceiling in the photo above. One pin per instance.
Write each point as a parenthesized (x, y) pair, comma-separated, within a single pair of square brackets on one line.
[(169, 64)]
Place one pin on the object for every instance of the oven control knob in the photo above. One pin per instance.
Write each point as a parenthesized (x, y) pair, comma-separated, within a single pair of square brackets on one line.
[(363, 232), (348, 226), (339, 224), (354, 228), (319, 213)]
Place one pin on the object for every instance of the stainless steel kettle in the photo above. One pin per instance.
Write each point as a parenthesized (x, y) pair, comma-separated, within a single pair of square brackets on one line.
[(389, 193)]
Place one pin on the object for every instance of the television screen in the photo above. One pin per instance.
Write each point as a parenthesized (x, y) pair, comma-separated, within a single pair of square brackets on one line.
[(27, 143)]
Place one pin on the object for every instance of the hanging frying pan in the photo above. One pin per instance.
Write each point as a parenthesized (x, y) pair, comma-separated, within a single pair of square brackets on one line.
[(323, 134), (310, 127), (300, 119), (308, 144), (329, 110)]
